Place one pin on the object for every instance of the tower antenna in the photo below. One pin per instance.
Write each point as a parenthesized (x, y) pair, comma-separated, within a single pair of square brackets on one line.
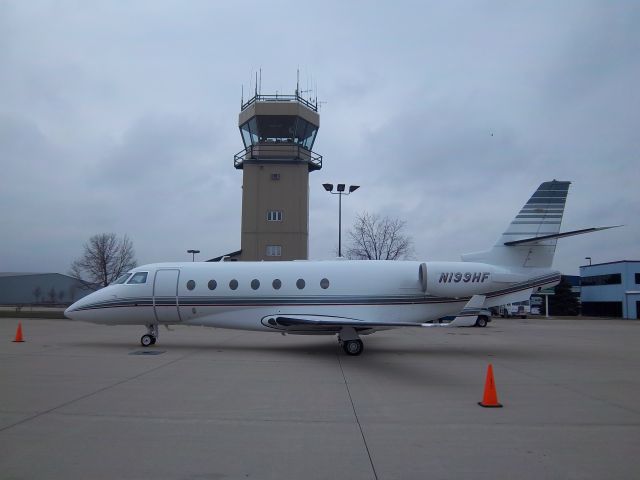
[(242, 96), (256, 84), (298, 82), (260, 86)]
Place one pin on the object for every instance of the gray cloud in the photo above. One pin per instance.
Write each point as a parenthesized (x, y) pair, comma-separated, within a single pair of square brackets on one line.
[(118, 117)]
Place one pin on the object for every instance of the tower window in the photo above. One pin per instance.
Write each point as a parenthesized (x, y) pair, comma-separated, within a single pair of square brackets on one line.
[(274, 250), (274, 215), (275, 176)]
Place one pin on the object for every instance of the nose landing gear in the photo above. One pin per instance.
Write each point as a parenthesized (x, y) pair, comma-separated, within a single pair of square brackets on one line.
[(150, 337)]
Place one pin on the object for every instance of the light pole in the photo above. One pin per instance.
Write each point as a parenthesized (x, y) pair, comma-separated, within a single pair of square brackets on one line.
[(340, 191), (588, 258), (193, 254)]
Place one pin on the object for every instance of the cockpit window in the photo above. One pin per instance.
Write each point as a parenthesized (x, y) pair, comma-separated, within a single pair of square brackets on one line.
[(121, 279), (139, 277)]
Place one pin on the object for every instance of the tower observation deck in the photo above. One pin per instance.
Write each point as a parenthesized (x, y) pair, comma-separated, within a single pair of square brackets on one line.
[(278, 132)]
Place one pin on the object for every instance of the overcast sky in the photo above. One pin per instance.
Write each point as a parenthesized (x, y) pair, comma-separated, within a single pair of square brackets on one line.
[(122, 117)]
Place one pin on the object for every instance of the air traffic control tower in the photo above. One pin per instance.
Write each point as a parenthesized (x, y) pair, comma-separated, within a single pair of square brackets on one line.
[(278, 134)]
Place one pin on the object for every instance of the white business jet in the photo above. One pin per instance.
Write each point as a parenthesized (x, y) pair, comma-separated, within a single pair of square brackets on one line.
[(344, 298)]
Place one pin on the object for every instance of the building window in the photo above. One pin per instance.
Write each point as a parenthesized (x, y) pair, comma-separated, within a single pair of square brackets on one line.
[(609, 279), (191, 285), (637, 278), (274, 250), (275, 176), (274, 215), (602, 309)]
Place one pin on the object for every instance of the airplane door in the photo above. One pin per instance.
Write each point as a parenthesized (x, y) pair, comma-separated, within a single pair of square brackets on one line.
[(165, 296)]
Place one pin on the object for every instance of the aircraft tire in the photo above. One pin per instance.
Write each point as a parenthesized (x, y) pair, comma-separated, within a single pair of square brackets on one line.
[(147, 340), (353, 347), (481, 321)]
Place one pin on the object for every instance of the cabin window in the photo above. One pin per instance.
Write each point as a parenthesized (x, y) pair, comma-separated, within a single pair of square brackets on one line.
[(191, 285), (233, 284), (121, 279), (324, 283), (300, 284), (277, 284), (138, 278), (212, 284), (255, 284)]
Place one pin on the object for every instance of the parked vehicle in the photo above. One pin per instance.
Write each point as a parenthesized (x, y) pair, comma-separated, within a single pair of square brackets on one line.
[(516, 309)]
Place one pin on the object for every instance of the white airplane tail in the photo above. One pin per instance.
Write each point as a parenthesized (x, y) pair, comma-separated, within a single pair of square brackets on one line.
[(531, 238)]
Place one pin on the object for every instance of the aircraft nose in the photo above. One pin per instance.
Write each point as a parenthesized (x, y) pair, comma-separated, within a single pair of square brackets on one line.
[(70, 311)]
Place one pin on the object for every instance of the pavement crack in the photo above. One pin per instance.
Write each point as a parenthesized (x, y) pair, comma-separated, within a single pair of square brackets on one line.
[(90, 394), (355, 414)]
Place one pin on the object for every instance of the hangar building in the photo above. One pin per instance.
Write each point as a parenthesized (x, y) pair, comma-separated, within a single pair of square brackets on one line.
[(611, 289), (41, 288)]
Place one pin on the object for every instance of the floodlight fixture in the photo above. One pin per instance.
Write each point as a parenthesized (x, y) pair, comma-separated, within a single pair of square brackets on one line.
[(340, 191)]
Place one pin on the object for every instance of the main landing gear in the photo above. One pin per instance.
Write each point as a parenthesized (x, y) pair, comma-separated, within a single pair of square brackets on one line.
[(481, 321), (151, 336), (350, 341)]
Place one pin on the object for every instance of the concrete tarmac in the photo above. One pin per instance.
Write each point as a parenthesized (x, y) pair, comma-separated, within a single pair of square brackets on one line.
[(80, 401)]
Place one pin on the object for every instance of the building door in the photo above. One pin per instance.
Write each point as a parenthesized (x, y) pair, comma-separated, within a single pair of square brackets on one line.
[(165, 296)]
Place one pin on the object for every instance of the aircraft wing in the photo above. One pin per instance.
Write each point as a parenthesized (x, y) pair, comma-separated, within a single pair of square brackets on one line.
[(328, 324)]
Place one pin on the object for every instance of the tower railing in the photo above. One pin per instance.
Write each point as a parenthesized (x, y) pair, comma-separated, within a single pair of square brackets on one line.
[(278, 152), (280, 98)]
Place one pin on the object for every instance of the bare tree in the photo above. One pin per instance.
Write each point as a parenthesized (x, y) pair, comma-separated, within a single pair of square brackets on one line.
[(105, 258), (36, 293), (378, 238)]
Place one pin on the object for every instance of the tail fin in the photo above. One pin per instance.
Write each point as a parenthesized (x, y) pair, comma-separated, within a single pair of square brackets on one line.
[(538, 222)]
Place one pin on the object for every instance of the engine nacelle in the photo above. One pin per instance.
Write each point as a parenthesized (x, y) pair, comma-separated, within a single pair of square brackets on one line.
[(462, 279)]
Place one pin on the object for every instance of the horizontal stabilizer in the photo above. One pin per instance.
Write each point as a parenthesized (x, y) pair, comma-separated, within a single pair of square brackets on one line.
[(534, 240)]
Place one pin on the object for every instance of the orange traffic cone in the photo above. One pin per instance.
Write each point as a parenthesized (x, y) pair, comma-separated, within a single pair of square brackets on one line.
[(490, 398), (19, 333)]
